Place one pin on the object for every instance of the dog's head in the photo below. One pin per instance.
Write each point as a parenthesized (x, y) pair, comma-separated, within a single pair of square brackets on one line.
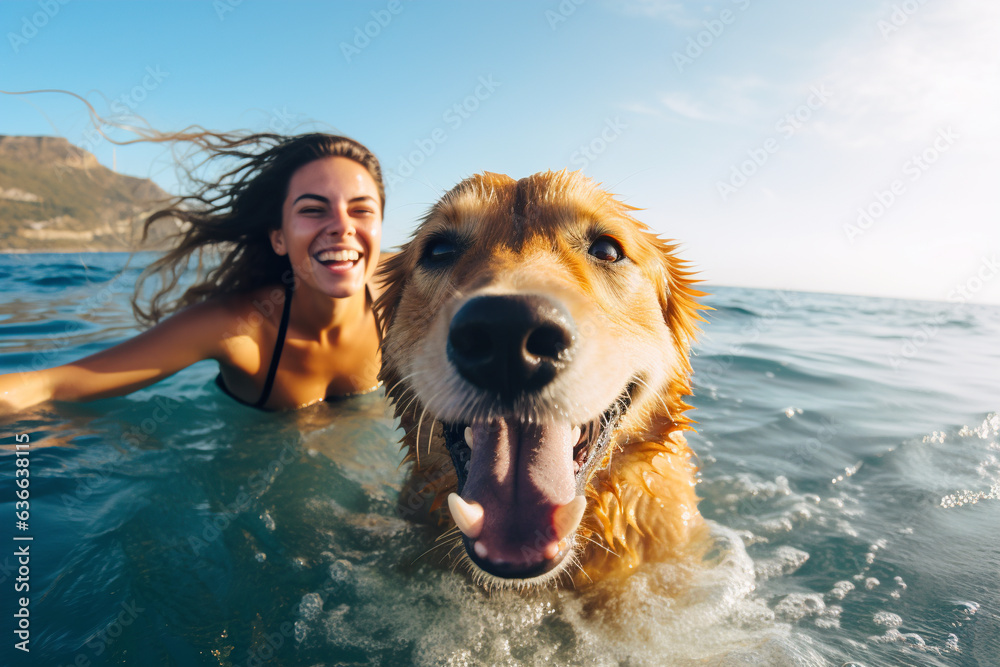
[(531, 327)]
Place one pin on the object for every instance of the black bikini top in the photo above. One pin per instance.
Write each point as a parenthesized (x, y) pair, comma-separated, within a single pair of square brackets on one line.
[(279, 344)]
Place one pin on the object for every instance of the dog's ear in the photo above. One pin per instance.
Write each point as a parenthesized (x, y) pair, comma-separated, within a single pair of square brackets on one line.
[(678, 297), (682, 313), (391, 277)]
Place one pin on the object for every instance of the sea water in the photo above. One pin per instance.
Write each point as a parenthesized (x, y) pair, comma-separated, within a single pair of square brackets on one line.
[(850, 471)]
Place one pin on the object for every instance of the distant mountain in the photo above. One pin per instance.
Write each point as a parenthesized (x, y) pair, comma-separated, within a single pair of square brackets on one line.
[(57, 197)]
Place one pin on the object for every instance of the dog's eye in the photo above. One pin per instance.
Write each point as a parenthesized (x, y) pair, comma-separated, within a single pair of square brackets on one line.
[(439, 250), (606, 249)]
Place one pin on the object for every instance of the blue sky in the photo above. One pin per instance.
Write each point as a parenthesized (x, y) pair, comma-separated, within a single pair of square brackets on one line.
[(838, 147)]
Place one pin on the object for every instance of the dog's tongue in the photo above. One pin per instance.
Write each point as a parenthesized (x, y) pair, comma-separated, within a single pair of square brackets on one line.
[(520, 473)]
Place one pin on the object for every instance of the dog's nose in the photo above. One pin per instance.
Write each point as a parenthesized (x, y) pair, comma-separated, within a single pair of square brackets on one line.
[(511, 344)]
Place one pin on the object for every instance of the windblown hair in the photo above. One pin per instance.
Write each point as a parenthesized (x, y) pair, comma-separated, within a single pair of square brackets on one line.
[(229, 217)]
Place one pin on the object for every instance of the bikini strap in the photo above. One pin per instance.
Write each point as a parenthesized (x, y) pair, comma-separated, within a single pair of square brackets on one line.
[(278, 346)]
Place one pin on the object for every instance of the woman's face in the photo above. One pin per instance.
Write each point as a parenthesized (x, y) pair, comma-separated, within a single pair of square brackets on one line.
[(331, 226)]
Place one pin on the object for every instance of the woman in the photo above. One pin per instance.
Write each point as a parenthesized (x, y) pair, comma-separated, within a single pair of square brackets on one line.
[(287, 312)]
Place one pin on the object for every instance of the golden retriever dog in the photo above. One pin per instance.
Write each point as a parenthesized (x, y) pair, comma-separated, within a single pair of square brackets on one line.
[(536, 351)]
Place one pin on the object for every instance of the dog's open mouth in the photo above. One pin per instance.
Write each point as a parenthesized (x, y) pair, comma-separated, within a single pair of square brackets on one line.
[(521, 487)]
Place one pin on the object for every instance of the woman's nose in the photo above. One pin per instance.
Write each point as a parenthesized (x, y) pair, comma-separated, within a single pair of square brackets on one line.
[(341, 222)]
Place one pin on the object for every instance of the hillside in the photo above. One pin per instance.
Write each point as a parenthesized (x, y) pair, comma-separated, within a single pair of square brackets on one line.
[(57, 197)]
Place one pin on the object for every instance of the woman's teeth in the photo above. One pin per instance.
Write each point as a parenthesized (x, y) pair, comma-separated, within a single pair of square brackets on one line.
[(338, 256)]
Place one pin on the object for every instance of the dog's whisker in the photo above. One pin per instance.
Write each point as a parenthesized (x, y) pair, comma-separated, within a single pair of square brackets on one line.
[(393, 386), (582, 571), (397, 399), (456, 559), (645, 384), (430, 431), (419, 424), (601, 545), (558, 580), (404, 403), (436, 546), (402, 406), (462, 558), (406, 407), (451, 532), (408, 388), (634, 173), (659, 395)]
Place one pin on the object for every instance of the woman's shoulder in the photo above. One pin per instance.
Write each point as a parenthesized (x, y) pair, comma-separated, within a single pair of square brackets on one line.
[(240, 313), (238, 324), (256, 307)]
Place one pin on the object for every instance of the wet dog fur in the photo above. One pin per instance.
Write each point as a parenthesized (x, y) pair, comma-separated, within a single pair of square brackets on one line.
[(579, 469)]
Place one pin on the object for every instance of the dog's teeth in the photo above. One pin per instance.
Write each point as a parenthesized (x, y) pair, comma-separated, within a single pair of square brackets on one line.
[(468, 437), (567, 517), (468, 516), (576, 435), (576, 467), (480, 550)]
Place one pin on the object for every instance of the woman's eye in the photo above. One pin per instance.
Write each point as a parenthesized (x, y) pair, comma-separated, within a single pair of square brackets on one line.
[(438, 251), (606, 249)]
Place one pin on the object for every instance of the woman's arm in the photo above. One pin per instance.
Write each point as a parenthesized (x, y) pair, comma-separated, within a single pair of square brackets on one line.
[(196, 333)]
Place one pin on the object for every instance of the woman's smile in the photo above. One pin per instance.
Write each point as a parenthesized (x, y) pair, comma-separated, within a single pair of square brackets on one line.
[(340, 260)]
